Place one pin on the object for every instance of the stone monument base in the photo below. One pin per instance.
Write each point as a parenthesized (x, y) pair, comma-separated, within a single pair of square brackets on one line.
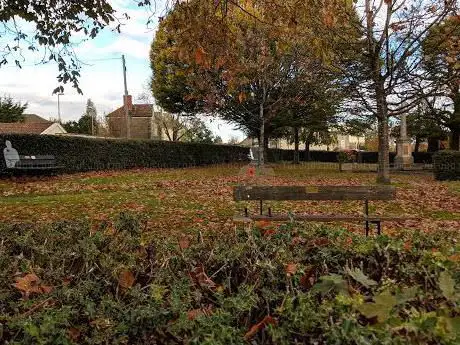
[(404, 159)]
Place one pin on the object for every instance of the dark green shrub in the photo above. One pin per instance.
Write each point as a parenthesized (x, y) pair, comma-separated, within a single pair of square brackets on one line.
[(275, 155), (423, 157), (372, 157), (446, 165), (86, 154), (118, 283)]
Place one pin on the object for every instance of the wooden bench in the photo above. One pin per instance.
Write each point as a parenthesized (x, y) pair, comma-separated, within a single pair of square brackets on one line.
[(285, 193), (16, 162), (37, 162)]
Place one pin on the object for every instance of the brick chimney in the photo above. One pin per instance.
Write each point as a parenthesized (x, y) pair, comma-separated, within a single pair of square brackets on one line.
[(128, 102)]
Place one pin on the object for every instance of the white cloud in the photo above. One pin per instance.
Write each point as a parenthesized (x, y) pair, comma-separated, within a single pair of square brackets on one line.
[(126, 46), (101, 75)]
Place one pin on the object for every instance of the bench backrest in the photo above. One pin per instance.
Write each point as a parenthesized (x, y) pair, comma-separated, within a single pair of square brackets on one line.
[(242, 193), (36, 161)]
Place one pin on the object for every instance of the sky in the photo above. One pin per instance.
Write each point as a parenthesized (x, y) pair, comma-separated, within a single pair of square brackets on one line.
[(101, 75)]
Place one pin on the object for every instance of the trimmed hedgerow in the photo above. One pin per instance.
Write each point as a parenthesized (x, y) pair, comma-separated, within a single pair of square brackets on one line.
[(118, 283), (446, 165), (372, 157), (86, 154), (275, 155)]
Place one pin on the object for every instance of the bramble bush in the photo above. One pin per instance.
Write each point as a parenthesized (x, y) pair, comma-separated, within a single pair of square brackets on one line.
[(119, 282)]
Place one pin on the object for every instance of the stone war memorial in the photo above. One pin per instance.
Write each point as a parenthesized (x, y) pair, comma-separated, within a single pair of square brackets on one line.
[(404, 159)]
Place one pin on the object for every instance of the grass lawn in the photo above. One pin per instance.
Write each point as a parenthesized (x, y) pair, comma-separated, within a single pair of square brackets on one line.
[(178, 199)]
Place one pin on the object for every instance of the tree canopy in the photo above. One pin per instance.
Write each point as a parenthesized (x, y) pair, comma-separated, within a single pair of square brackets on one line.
[(10, 110), (441, 78), (248, 66)]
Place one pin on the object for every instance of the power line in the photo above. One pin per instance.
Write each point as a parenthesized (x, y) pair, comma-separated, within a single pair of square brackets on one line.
[(85, 62)]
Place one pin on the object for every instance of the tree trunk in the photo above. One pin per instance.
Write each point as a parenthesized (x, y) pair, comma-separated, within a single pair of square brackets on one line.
[(307, 150), (374, 62), (455, 124), (383, 175), (433, 144), (296, 145), (455, 139), (261, 161), (266, 149), (417, 144)]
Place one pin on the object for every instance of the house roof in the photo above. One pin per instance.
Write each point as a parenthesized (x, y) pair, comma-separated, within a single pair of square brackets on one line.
[(34, 118), (138, 110), (24, 127)]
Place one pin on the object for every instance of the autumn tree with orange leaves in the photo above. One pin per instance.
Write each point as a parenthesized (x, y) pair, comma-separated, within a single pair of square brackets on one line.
[(247, 64)]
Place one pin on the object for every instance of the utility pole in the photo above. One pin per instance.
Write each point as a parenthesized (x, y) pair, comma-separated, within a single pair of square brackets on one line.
[(59, 107), (128, 118)]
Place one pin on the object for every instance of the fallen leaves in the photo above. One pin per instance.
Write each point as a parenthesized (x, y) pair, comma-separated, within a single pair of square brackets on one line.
[(74, 334), (290, 269), (199, 277), (31, 283), (193, 314), (184, 243), (199, 56), (267, 320), (308, 279), (126, 279)]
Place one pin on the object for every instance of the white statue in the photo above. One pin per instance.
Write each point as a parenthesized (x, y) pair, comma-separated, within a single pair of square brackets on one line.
[(11, 155)]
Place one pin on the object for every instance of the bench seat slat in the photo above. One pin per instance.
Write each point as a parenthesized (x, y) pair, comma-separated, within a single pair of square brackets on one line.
[(280, 193), (319, 218), (54, 167)]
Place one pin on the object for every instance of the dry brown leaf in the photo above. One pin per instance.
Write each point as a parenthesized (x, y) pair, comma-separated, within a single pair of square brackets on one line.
[(28, 284), (290, 269), (74, 333), (319, 242), (193, 314), (184, 243), (126, 279), (241, 97), (308, 278), (46, 288), (267, 320), (199, 56), (199, 276), (297, 240)]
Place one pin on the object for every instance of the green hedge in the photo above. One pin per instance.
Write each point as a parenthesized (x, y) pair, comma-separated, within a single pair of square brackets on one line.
[(446, 165), (119, 283), (275, 155), (86, 154)]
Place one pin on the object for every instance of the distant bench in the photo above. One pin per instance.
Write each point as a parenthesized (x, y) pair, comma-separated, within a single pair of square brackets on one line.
[(16, 162), (324, 193)]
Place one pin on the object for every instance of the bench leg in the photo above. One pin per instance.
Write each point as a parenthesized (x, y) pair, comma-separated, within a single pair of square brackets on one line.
[(378, 226), (366, 212)]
